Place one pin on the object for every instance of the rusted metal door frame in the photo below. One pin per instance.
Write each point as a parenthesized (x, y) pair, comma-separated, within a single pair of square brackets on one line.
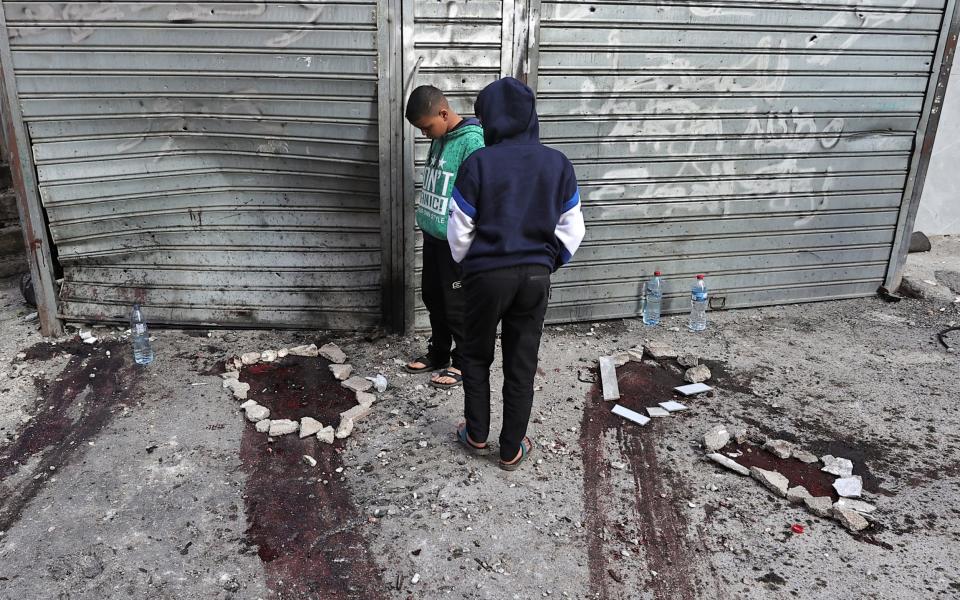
[(23, 172), (519, 48), (923, 144)]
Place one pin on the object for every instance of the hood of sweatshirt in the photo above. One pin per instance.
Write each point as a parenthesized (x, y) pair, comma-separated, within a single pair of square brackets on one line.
[(507, 109)]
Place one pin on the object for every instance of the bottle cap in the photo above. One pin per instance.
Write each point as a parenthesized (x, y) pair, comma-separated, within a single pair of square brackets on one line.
[(699, 276), (657, 273)]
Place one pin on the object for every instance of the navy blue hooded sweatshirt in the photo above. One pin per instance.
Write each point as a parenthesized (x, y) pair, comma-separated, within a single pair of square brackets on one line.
[(516, 201)]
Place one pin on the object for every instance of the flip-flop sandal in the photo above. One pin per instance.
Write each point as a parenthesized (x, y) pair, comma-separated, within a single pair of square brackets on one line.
[(526, 447), (447, 373), (427, 362), (466, 443)]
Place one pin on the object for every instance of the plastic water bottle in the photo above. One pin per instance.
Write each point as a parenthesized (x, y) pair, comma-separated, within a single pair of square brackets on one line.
[(652, 297), (698, 305), (142, 351)]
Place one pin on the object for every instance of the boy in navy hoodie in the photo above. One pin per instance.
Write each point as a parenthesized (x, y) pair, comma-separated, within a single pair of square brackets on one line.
[(515, 218)]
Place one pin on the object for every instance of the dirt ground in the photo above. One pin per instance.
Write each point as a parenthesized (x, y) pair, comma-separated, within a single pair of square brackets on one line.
[(119, 481)]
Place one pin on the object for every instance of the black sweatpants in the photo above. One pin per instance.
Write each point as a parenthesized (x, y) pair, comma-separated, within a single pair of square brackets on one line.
[(517, 297), (440, 288)]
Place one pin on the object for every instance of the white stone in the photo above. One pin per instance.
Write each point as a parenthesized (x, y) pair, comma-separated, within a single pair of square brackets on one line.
[(798, 494), (309, 460), (327, 434), (248, 403), (415, 579), (660, 350), (357, 384), (230, 375), (86, 335), (858, 505), (366, 398), (257, 413), (309, 426), (779, 448), (849, 487), (773, 481), (268, 355), (282, 427), (341, 372), (850, 519), (656, 411), (636, 354), (307, 350), (263, 426), (841, 467), (332, 353), (804, 456), (237, 387), (621, 359), (344, 429), (688, 360), (282, 352), (728, 463), (250, 358), (356, 413), (90, 340), (716, 438), (822, 506), (237, 363), (379, 382), (697, 374)]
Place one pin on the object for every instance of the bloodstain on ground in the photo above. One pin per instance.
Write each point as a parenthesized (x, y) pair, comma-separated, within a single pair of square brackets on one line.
[(817, 482), (308, 534), (64, 421), (662, 528)]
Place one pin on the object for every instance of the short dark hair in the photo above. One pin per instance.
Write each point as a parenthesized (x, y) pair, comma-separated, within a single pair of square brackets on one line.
[(424, 101)]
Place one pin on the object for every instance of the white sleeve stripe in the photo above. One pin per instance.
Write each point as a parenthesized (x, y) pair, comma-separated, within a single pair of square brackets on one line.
[(461, 230), (571, 229)]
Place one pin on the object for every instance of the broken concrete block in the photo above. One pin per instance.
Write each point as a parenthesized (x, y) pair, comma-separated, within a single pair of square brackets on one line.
[(841, 467), (327, 434), (366, 398), (333, 353), (773, 481), (257, 413), (237, 387), (729, 463), (309, 460), (341, 372), (656, 411), (672, 406), (688, 360), (849, 487), (850, 519), (740, 435), (282, 427), (344, 429), (608, 377), (379, 382), (307, 350), (230, 375), (635, 354), (263, 425), (822, 506), (798, 494), (237, 363), (779, 448), (716, 438), (804, 456), (357, 384), (309, 426), (268, 356), (912, 287), (250, 358), (356, 413), (660, 350), (282, 352), (857, 505), (697, 374), (247, 403), (620, 359)]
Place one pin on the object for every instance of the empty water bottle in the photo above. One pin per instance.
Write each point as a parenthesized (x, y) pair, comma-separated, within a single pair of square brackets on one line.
[(698, 305), (142, 351), (652, 297)]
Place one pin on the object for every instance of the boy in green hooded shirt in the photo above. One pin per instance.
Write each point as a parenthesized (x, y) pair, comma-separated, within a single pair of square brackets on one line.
[(453, 140)]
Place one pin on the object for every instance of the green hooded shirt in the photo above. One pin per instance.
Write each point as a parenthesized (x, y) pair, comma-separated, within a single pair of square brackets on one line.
[(440, 173)]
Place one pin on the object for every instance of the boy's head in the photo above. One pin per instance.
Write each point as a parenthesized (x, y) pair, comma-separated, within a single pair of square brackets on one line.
[(429, 111)]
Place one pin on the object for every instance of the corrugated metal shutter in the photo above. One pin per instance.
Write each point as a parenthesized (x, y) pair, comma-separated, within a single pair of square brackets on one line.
[(763, 143), (214, 161), (458, 48)]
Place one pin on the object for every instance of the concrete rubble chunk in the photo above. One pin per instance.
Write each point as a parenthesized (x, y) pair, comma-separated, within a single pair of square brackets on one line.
[(90, 340), (697, 374), (841, 467), (357, 384), (85, 335), (230, 375), (773, 481), (620, 359), (309, 460), (250, 358), (309, 426), (306, 350), (822, 506), (729, 463), (344, 429), (237, 387), (779, 448), (798, 494), (341, 372), (366, 398), (268, 356), (635, 354), (857, 505), (248, 403), (327, 434), (237, 363), (282, 352), (356, 413), (262, 426), (849, 487), (656, 411), (333, 353), (282, 427), (660, 350), (379, 382), (716, 438), (740, 435), (804, 456), (257, 413), (850, 519), (688, 360)]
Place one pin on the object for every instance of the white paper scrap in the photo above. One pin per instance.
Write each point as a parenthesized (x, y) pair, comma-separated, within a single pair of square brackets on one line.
[(634, 416), (693, 388)]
